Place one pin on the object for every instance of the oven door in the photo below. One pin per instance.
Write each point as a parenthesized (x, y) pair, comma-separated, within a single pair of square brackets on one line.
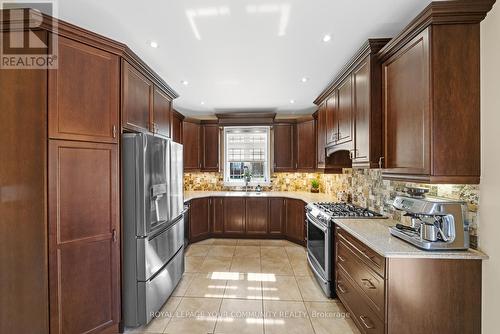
[(318, 246)]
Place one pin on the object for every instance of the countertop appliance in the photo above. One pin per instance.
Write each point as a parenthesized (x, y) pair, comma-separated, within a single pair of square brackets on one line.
[(153, 224), (320, 218), (436, 223)]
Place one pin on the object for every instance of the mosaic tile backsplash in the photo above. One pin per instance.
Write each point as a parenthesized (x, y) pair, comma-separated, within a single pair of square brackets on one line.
[(365, 187)]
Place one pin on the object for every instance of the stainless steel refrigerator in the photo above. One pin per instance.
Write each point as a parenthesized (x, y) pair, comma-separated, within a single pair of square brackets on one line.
[(153, 224)]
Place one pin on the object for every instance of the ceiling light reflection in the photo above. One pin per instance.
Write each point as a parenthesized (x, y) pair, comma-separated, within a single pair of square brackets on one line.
[(261, 277), (282, 9), (232, 276), (192, 14)]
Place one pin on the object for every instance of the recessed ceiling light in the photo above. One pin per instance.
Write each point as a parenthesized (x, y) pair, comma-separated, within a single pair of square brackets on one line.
[(202, 102), (184, 82), (327, 38), (292, 101), (153, 44), (304, 79)]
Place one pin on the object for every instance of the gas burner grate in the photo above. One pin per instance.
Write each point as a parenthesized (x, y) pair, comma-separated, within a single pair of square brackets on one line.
[(346, 210)]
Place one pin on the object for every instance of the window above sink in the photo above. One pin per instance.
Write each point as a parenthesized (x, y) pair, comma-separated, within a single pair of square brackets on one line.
[(247, 154)]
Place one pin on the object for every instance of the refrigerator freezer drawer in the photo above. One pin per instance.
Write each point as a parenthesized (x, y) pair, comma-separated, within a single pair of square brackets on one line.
[(155, 251), (152, 294)]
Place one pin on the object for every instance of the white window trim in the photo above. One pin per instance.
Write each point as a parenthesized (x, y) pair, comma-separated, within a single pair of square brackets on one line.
[(267, 171)]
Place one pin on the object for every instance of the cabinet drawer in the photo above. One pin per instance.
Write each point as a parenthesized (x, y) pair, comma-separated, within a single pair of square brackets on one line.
[(364, 317), (372, 259), (367, 280)]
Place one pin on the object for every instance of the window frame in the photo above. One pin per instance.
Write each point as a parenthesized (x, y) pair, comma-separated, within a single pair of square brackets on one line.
[(267, 159)]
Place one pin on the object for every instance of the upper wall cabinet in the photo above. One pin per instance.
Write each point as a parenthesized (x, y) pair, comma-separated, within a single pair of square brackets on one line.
[(145, 106), (162, 113), (137, 93), (191, 142), (84, 94), (176, 127), (352, 108), (431, 99), (284, 157), (210, 136), (305, 141)]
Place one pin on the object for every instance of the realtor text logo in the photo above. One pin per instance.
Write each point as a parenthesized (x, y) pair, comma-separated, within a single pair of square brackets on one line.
[(25, 42)]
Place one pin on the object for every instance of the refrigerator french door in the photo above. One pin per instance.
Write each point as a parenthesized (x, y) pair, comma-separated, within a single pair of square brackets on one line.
[(153, 231)]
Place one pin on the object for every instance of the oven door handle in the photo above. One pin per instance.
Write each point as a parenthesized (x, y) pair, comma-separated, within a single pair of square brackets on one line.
[(323, 228), (311, 265)]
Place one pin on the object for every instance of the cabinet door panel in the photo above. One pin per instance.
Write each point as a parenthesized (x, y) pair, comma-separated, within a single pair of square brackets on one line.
[(210, 147), (191, 142), (406, 94), (305, 142), (257, 213), (332, 125), (162, 112), (199, 221), (295, 219), (83, 236), (218, 215), (344, 112), (84, 94), (283, 147), (361, 78), (136, 99), (276, 215), (321, 136), (234, 215), (177, 128)]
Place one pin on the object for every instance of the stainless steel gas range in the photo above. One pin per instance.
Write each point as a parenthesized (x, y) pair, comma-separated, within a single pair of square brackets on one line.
[(320, 244)]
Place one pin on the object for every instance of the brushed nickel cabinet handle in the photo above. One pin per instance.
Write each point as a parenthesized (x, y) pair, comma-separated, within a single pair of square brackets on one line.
[(114, 235), (368, 283), (367, 322), (341, 288), (380, 162), (114, 131)]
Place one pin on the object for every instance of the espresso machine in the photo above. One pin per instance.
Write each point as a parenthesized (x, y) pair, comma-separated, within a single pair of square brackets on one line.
[(436, 224)]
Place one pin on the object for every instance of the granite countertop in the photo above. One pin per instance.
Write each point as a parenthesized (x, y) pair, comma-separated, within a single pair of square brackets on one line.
[(305, 196), (375, 234)]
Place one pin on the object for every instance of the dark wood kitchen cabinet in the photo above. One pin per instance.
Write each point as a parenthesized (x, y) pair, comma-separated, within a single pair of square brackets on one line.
[(284, 138), (137, 104), (146, 107), (257, 216), (305, 142), (431, 100), (374, 290), (354, 110), (320, 118), (84, 230), (177, 125), (84, 94), (234, 215), (210, 135), (295, 220), (217, 215), (277, 216), (199, 219), (67, 272), (162, 113), (191, 132)]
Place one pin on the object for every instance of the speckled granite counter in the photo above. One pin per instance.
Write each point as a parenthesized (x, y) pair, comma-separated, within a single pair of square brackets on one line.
[(305, 196), (375, 234)]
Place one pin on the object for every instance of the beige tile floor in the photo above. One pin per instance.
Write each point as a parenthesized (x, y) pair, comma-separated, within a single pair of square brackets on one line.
[(246, 287)]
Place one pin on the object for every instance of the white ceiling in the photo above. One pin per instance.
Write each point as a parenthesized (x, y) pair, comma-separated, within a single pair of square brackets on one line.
[(243, 54)]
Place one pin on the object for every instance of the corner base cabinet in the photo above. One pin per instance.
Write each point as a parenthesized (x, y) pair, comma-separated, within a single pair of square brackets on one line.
[(406, 295)]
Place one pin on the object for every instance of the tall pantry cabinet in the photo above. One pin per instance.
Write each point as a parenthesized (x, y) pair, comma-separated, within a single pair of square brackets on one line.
[(60, 182)]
